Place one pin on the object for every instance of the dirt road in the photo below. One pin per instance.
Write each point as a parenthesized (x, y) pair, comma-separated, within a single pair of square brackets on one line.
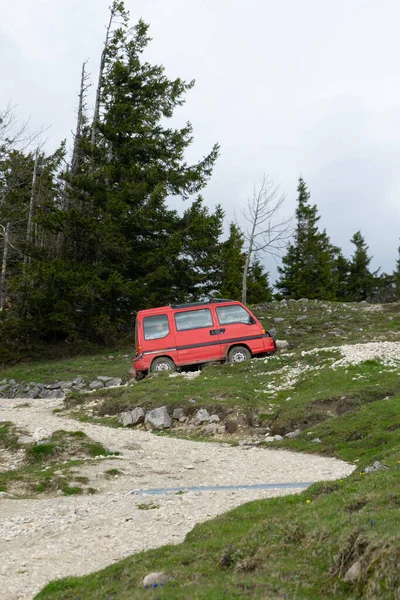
[(46, 539)]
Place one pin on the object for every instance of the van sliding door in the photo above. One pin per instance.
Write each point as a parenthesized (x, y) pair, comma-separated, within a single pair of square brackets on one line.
[(197, 337)]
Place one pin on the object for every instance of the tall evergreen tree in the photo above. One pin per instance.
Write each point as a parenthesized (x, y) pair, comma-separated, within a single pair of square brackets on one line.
[(258, 288), (361, 280), (122, 247), (307, 269), (232, 261), (341, 271)]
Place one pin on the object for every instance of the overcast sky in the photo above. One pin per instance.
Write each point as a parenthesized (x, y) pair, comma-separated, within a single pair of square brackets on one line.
[(286, 88)]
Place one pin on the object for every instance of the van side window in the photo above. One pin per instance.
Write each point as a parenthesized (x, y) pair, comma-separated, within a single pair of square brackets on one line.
[(233, 314), (193, 319), (155, 327)]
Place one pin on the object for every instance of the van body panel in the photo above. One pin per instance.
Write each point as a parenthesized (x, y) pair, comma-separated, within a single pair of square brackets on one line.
[(197, 333), (197, 340)]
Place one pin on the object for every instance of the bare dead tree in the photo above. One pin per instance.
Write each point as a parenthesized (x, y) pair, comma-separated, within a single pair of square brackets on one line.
[(6, 234), (114, 10), (14, 136), (81, 119), (31, 207), (266, 232)]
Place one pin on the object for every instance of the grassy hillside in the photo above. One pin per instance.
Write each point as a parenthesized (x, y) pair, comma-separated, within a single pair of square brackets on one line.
[(298, 547)]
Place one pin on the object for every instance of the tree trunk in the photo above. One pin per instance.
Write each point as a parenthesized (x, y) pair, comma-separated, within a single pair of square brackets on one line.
[(96, 113), (31, 206), (79, 122), (246, 272), (248, 256), (4, 267)]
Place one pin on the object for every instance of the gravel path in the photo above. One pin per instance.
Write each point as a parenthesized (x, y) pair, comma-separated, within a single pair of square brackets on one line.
[(46, 539)]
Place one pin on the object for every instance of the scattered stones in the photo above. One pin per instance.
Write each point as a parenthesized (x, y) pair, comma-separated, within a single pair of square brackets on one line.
[(316, 441), (353, 573), (377, 466), (53, 386), (56, 393), (214, 419), (96, 385), (293, 434), (278, 438), (158, 419), (178, 414), (278, 320), (202, 416), (65, 385), (24, 440), (156, 579), (115, 382), (212, 429), (126, 419), (282, 344)]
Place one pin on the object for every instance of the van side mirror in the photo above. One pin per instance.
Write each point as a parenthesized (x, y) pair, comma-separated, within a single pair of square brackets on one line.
[(252, 321)]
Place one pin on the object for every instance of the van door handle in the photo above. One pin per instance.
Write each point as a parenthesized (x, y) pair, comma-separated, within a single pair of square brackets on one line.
[(216, 331)]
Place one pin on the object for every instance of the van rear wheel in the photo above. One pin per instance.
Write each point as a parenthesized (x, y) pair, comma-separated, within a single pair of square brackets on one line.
[(162, 364), (238, 354)]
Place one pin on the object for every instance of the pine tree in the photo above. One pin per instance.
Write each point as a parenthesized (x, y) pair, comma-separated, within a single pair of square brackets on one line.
[(258, 288), (341, 271), (122, 247), (307, 269), (361, 280), (232, 263)]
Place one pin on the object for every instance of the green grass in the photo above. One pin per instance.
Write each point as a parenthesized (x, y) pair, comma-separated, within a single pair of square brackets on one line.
[(330, 323), (293, 547), (40, 471), (319, 322), (8, 436), (88, 367), (296, 547)]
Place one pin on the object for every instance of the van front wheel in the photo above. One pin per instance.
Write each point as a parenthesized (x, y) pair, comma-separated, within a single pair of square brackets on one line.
[(238, 354), (162, 364)]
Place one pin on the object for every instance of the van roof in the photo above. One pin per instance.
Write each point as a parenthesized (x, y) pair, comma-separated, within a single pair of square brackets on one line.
[(170, 307)]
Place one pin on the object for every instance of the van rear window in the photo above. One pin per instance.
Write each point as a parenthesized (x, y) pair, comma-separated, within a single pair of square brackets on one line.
[(155, 327), (193, 319)]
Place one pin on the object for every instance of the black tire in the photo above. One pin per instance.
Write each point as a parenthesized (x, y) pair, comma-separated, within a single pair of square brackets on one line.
[(238, 354), (161, 364)]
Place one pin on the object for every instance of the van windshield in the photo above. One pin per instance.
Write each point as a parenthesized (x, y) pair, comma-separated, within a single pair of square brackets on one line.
[(155, 327)]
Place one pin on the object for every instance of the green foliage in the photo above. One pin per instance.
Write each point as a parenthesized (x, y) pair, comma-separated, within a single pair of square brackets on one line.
[(111, 244), (258, 288), (308, 268), (232, 263), (360, 280), (299, 546)]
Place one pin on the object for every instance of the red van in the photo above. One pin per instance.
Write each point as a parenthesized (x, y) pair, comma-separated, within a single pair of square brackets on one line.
[(171, 337)]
